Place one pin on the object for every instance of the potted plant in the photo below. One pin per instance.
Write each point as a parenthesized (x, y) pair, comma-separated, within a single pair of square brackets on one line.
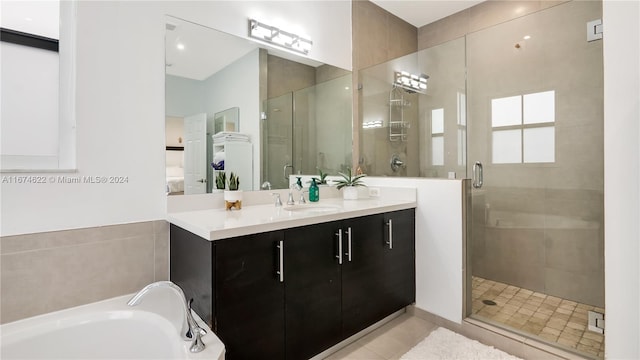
[(221, 180), (233, 196), (350, 184), (322, 180)]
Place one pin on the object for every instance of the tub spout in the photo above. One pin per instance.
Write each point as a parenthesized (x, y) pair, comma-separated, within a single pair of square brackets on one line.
[(190, 329)]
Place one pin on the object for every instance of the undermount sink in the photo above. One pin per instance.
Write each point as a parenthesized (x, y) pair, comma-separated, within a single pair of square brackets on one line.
[(311, 208)]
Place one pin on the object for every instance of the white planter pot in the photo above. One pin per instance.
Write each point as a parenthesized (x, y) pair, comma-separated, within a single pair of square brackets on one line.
[(349, 193), (233, 199)]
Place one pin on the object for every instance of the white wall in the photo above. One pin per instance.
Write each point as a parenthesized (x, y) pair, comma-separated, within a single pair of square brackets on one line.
[(184, 97), (622, 178), (120, 105), (439, 239), (238, 85), (29, 76)]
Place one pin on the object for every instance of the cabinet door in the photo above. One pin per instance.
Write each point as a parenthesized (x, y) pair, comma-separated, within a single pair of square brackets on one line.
[(362, 270), (399, 276), (249, 296), (312, 290), (192, 269)]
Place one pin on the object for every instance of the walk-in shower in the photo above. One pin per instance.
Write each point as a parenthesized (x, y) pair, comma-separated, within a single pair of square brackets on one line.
[(522, 102)]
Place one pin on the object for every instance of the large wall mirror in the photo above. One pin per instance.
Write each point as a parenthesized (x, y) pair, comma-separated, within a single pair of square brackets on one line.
[(232, 104)]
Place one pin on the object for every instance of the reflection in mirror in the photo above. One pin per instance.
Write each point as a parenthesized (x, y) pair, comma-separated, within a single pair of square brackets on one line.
[(307, 122), (426, 133), (227, 120), (293, 113)]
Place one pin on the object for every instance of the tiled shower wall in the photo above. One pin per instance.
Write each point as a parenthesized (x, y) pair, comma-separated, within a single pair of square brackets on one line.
[(478, 17), (50, 271)]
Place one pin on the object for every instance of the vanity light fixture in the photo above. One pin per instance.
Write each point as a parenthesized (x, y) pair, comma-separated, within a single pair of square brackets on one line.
[(273, 35), (411, 82)]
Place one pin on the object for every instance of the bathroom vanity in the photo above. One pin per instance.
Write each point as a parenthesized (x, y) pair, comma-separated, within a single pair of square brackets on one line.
[(290, 282)]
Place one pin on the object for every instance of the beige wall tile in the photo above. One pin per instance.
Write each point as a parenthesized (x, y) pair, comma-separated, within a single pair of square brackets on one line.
[(586, 287), (379, 36), (443, 30), (161, 250), (285, 76), (370, 38), (57, 270), (39, 241), (402, 37), (491, 13)]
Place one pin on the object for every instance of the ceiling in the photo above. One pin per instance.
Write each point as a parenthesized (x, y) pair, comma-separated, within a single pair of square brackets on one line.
[(422, 12), (198, 59)]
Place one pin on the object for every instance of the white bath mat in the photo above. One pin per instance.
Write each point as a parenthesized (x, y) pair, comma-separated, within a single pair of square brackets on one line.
[(447, 345)]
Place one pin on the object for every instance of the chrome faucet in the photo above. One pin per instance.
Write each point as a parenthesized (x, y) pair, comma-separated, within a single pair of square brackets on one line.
[(295, 186), (290, 200), (278, 201), (190, 329)]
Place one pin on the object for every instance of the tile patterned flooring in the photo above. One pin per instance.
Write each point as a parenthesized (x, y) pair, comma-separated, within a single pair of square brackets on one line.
[(388, 342), (553, 319)]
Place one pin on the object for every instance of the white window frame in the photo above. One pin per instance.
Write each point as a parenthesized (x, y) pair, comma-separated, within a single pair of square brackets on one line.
[(65, 159), (521, 126)]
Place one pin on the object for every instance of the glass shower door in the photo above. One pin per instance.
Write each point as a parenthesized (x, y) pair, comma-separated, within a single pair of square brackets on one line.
[(535, 110), (278, 141)]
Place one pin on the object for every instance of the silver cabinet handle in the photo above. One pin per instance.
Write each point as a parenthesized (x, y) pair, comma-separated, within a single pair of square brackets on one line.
[(477, 175), (390, 241), (280, 271), (348, 253), (339, 256)]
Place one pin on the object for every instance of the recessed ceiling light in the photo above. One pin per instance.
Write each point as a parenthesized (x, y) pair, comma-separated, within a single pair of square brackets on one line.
[(527, 37), (180, 46)]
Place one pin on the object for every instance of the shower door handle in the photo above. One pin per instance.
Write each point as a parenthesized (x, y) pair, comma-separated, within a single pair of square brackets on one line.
[(284, 171), (477, 175)]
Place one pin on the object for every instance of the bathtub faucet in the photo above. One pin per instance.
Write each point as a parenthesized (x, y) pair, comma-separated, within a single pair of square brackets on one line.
[(190, 329)]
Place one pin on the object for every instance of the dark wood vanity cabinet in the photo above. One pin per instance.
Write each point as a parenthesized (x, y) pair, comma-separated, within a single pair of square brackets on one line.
[(291, 294), (313, 290), (399, 278), (249, 296), (379, 276)]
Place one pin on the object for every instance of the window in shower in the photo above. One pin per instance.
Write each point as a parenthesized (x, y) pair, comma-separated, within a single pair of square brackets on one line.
[(437, 137), (523, 128), (462, 128)]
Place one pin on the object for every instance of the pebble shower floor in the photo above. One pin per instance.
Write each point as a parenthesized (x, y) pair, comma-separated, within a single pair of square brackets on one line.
[(551, 318)]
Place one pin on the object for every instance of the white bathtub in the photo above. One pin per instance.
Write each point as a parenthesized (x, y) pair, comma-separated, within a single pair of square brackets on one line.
[(107, 330)]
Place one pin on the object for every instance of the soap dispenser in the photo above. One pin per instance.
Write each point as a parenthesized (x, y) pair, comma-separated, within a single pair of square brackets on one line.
[(314, 191)]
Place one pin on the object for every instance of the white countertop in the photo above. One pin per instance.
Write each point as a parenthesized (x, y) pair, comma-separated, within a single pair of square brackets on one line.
[(215, 224)]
